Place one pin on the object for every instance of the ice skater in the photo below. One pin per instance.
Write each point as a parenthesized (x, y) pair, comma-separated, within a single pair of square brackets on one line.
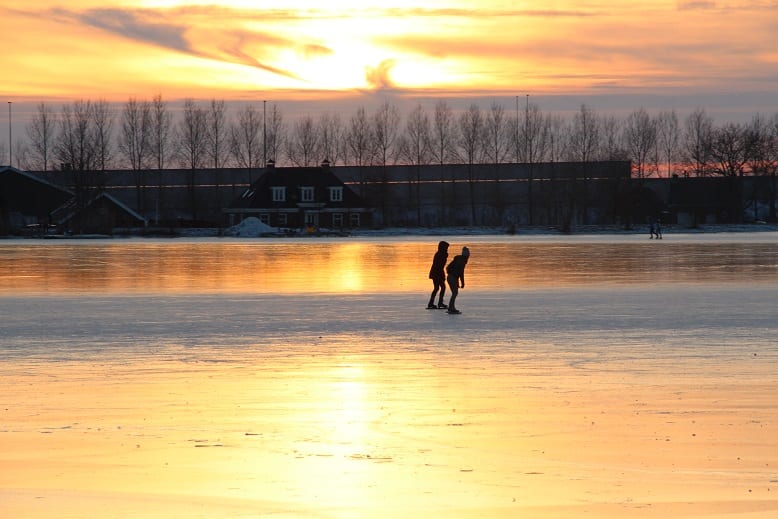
[(456, 278), (658, 229), (438, 275)]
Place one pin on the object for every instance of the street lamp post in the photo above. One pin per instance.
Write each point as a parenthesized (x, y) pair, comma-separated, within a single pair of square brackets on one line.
[(264, 134), (10, 137)]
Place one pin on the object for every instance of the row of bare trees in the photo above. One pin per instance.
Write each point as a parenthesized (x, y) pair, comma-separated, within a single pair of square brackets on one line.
[(149, 134)]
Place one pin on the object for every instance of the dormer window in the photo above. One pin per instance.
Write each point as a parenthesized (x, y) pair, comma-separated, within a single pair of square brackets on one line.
[(279, 193), (336, 194), (306, 194)]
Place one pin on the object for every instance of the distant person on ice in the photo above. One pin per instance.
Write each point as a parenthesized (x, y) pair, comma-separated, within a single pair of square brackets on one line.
[(456, 278), (438, 275)]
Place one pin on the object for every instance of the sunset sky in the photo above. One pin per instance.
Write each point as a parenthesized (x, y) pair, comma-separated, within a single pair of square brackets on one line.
[(721, 55)]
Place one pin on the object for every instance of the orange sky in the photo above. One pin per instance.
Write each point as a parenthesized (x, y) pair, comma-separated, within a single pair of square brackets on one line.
[(311, 50)]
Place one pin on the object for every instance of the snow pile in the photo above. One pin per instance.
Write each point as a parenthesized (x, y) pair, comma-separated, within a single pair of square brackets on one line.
[(251, 227)]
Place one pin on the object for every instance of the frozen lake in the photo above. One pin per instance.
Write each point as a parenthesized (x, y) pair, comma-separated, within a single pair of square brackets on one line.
[(600, 375)]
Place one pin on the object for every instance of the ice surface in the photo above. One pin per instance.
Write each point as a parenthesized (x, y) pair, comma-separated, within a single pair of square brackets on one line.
[(602, 376)]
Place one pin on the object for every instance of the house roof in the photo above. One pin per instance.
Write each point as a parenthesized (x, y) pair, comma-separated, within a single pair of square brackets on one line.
[(260, 194), (69, 209), (24, 192)]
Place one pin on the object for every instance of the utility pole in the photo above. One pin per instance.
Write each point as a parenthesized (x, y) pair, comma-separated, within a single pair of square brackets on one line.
[(10, 137), (264, 134), (528, 158)]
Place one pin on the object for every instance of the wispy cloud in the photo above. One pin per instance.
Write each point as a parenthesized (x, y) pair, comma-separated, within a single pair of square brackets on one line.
[(696, 5), (165, 29), (378, 77), (144, 26)]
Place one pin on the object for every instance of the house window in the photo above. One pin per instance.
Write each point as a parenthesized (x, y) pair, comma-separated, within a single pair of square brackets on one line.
[(282, 220), (354, 219), (264, 218), (337, 220), (279, 193), (306, 194), (336, 194), (311, 219)]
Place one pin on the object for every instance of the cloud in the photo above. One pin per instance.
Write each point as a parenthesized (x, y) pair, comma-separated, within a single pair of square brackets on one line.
[(135, 25), (471, 14), (696, 5), (156, 28), (378, 77)]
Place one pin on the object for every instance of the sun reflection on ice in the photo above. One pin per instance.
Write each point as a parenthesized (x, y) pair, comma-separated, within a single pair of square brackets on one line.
[(350, 412)]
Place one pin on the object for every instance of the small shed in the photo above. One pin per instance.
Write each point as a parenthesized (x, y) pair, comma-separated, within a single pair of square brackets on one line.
[(100, 214), (27, 201)]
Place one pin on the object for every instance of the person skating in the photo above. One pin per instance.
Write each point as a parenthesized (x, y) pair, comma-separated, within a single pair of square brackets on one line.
[(456, 278), (438, 275)]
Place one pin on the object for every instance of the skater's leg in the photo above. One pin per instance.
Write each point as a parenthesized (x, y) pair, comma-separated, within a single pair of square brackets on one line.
[(435, 287), (441, 304), (454, 292)]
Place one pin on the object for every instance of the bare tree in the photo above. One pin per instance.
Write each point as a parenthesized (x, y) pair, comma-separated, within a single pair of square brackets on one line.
[(698, 142), (668, 137), (41, 133), (75, 146), (470, 148), (246, 140), (135, 137), (386, 124), (583, 145), (303, 143), (556, 147), (611, 146), (274, 134), (496, 143), (762, 160), (532, 144), (729, 150), (359, 138), (640, 139), (415, 143), (163, 139), (533, 135), (584, 135), (135, 141), (415, 149), (162, 132), (470, 142), (217, 134), (193, 145), (193, 136), (76, 149), (330, 130), (443, 134), (103, 116)]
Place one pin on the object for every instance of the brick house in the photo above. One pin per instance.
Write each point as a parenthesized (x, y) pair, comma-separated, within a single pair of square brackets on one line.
[(309, 198)]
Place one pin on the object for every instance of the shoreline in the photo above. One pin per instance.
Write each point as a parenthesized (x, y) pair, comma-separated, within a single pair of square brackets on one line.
[(394, 232)]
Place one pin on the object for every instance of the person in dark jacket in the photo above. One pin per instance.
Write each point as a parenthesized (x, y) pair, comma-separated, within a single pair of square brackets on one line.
[(456, 278), (438, 275)]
